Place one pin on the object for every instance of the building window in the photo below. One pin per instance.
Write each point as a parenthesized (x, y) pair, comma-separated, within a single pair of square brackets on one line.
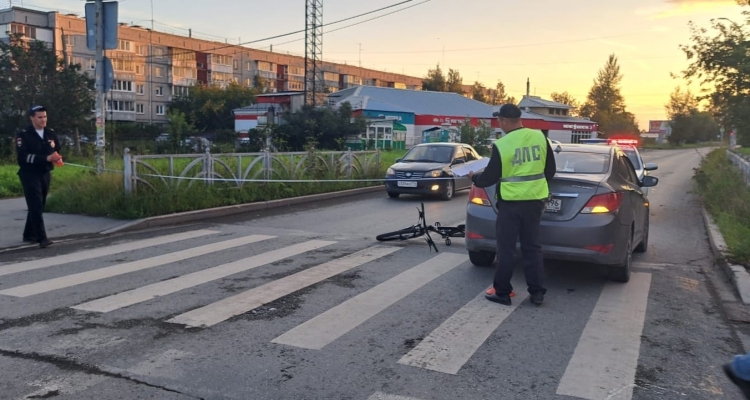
[(160, 110), (297, 71), (124, 45), (123, 106), (140, 50), (331, 76), (123, 65), (265, 66), (220, 77), (158, 52), (122, 86), (249, 65), (248, 82), (25, 31), (236, 64), (159, 72), (92, 64), (140, 109), (160, 90), (221, 59), (140, 89), (139, 69), (179, 91), (70, 40)]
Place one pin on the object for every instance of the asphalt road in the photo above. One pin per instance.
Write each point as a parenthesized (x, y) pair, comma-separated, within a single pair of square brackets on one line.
[(303, 303)]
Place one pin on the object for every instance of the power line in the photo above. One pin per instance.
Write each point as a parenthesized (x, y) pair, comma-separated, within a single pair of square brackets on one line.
[(358, 23), (302, 31)]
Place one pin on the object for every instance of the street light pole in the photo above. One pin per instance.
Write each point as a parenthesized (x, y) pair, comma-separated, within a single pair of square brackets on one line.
[(100, 99)]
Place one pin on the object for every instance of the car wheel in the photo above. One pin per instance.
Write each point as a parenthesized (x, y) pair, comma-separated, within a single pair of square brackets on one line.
[(621, 273), (481, 258), (393, 195), (643, 246), (448, 191)]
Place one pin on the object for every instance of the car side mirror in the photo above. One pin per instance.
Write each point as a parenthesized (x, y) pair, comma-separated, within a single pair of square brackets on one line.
[(649, 181), (651, 167)]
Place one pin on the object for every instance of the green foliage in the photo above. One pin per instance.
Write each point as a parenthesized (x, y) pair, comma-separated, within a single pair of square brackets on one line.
[(568, 99), (326, 127), (720, 61), (435, 80), (476, 136), (30, 74), (694, 127), (727, 198), (605, 103), (209, 108)]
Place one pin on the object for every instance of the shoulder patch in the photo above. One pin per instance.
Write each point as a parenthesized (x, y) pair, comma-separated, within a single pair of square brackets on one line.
[(19, 141)]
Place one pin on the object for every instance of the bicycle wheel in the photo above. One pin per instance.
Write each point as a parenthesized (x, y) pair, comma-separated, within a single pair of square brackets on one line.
[(404, 234)]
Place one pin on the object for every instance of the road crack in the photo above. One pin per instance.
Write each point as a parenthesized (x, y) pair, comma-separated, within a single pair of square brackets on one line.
[(71, 365)]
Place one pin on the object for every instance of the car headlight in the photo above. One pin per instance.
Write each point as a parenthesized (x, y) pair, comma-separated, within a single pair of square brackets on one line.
[(435, 174), (390, 172)]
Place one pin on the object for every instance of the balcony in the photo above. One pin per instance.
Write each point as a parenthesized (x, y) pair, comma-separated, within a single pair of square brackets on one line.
[(180, 81), (227, 69)]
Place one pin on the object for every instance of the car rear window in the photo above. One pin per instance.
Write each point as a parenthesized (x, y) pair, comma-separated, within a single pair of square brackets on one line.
[(582, 163)]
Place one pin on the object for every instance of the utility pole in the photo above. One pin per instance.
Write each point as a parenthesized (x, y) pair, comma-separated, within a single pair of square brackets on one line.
[(360, 55), (100, 99)]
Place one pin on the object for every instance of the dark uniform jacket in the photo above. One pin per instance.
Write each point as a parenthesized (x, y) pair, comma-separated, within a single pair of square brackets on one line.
[(32, 150)]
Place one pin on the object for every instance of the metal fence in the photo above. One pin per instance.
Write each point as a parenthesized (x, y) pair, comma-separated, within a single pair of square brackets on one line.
[(238, 169), (741, 163)]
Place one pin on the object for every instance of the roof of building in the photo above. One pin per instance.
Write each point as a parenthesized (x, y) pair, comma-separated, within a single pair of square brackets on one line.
[(535, 101), (551, 118), (277, 94), (419, 102), (260, 107)]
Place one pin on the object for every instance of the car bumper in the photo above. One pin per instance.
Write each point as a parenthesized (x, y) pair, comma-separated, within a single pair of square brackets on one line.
[(424, 186), (560, 240)]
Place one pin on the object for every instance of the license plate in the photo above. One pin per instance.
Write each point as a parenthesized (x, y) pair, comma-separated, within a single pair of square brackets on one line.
[(411, 184), (553, 205)]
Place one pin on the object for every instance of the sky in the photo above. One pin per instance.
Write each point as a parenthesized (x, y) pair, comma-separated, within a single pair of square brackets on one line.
[(559, 46)]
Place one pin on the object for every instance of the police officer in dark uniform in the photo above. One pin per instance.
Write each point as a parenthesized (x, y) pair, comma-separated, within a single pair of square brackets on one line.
[(37, 148), (521, 165)]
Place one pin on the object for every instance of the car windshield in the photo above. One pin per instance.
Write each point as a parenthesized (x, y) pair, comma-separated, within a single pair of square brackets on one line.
[(633, 156), (438, 154), (582, 163)]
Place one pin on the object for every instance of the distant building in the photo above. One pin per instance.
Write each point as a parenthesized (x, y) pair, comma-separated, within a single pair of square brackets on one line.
[(151, 68), (658, 130), (554, 120)]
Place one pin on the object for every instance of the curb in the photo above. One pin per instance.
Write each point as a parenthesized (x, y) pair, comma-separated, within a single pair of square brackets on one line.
[(737, 274), (197, 215)]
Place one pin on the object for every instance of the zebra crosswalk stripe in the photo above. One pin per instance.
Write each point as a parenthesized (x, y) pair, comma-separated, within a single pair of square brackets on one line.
[(170, 286), (453, 343), (215, 313), (125, 268), (100, 252), (604, 363), (334, 323)]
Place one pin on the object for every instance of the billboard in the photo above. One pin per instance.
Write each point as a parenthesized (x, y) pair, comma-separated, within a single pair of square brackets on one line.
[(659, 126)]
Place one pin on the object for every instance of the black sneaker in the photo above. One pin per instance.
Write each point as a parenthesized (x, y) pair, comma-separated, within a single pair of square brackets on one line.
[(44, 243), (504, 300), (537, 298), (742, 384)]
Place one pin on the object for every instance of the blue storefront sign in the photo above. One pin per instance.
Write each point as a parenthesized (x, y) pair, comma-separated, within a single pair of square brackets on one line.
[(400, 117)]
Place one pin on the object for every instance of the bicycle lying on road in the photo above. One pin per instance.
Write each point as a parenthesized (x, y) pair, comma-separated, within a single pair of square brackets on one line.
[(421, 229)]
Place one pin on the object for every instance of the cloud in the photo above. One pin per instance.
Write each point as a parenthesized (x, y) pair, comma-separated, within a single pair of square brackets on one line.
[(677, 8)]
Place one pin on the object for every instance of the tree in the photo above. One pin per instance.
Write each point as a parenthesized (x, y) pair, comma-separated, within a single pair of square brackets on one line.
[(499, 96), (681, 103), (605, 103), (478, 92), (31, 73), (178, 127), (209, 108), (476, 136), (454, 83), (721, 62), (568, 99), (324, 127), (693, 127), (435, 80)]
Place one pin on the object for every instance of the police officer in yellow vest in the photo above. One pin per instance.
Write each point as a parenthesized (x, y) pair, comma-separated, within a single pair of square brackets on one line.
[(521, 165)]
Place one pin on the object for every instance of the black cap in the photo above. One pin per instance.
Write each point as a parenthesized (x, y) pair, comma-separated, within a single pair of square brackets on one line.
[(508, 111), (34, 109)]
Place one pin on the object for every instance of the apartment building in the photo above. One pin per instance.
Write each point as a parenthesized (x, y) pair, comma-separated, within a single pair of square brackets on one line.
[(151, 68)]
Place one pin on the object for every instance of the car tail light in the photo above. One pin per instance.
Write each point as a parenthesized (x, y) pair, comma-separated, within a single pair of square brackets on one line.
[(473, 235), (603, 203), (479, 196), (602, 248)]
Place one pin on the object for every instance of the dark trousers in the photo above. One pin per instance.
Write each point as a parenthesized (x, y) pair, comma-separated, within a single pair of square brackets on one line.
[(519, 219), (35, 189)]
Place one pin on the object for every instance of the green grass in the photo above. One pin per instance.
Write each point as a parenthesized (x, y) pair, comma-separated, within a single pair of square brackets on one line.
[(727, 198), (744, 151), (77, 190)]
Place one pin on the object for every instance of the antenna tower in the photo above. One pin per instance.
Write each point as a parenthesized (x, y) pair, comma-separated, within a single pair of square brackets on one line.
[(314, 52)]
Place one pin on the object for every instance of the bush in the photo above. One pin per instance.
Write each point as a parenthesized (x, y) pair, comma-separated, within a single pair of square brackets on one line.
[(727, 198)]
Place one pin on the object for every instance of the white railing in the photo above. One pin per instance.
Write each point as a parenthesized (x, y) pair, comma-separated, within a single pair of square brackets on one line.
[(238, 169), (741, 163)]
